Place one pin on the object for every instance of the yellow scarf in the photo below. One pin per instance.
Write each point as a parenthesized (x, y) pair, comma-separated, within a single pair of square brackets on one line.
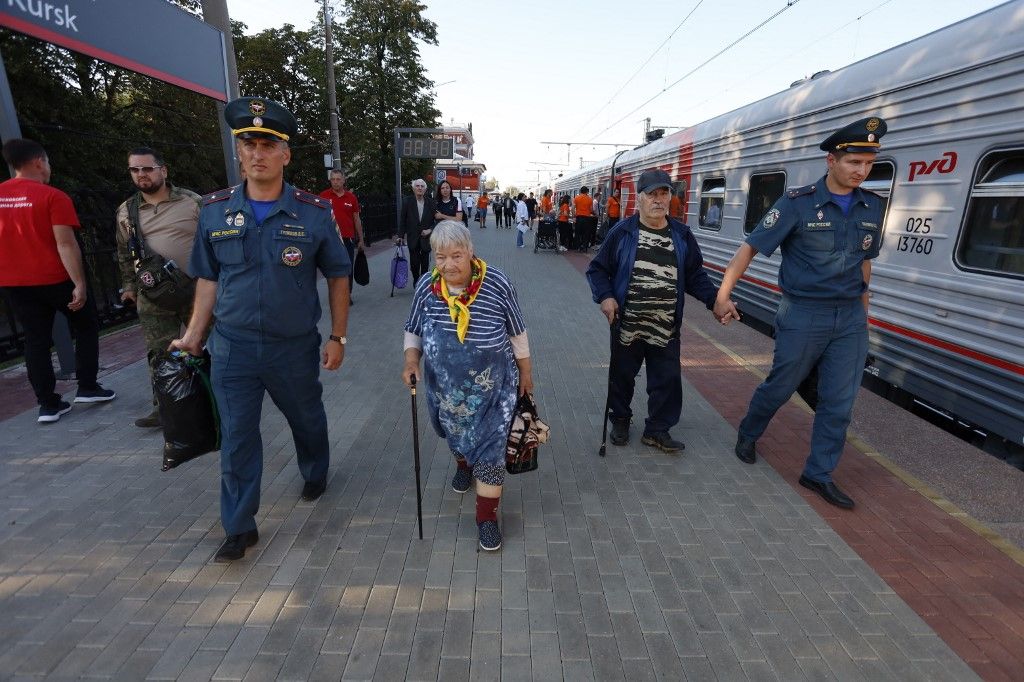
[(458, 305)]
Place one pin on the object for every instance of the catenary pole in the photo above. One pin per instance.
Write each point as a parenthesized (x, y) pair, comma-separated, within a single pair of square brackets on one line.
[(332, 97)]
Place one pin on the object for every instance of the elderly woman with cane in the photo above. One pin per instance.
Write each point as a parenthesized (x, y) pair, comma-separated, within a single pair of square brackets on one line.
[(466, 322)]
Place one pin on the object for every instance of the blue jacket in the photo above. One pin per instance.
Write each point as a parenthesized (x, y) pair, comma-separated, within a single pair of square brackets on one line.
[(609, 272)]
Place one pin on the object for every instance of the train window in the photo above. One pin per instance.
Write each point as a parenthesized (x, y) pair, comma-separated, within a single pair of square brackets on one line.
[(879, 181), (993, 236), (765, 190), (712, 200)]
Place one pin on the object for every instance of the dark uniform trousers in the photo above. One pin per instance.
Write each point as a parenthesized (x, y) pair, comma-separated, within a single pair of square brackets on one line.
[(664, 383), (244, 366), (806, 332)]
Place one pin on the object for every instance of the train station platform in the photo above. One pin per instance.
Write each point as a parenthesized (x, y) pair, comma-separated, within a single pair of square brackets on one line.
[(636, 566)]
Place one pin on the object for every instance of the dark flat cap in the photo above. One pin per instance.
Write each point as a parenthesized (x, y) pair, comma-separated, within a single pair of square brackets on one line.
[(859, 137), (259, 117)]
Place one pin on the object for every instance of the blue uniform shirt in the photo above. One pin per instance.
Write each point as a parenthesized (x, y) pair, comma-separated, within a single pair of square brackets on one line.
[(266, 273), (822, 249)]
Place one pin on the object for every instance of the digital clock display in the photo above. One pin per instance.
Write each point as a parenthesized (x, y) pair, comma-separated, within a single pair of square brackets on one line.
[(425, 148)]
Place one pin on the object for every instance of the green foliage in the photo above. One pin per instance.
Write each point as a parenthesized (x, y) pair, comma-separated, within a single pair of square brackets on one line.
[(383, 86), (88, 113)]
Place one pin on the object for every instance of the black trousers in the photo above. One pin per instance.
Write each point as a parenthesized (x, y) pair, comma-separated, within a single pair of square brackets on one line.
[(36, 307), (664, 384), (585, 231), (419, 261)]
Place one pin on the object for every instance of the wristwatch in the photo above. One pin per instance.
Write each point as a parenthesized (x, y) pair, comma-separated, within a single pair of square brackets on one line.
[(340, 339)]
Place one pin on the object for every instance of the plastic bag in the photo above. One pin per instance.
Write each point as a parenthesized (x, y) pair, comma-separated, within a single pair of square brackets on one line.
[(361, 269), (187, 407)]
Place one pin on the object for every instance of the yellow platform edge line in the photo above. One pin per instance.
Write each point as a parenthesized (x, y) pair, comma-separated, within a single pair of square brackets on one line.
[(911, 481)]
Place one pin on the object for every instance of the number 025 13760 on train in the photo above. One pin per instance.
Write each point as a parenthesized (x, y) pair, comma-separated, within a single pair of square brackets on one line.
[(947, 291)]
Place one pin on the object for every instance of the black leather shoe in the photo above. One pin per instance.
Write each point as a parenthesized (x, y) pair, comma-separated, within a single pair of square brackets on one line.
[(620, 431), (313, 489), (829, 492), (745, 449), (663, 441), (235, 545)]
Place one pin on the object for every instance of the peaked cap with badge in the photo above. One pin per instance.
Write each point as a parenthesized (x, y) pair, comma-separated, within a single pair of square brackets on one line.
[(859, 137), (251, 117)]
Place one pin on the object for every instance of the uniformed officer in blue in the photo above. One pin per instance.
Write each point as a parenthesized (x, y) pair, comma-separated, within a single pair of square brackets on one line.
[(256, 255), (828, 232)]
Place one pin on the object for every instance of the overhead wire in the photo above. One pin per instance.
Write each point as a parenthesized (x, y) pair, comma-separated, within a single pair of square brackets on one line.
[(639, 69), (692, 71), (774, 64)]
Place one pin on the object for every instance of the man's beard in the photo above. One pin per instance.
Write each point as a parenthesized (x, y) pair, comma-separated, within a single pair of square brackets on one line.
[(155, 187)]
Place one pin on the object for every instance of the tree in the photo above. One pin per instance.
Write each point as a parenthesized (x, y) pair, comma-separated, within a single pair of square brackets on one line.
[(385, 87), (287, 65)]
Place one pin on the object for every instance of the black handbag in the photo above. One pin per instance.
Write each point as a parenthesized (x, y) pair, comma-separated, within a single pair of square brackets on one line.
[(160, 280), (361, 269), (525, 435)]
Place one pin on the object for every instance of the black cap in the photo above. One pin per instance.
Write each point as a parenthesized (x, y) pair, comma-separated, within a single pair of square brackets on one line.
[(653, 179), (860, 137), (259, 117)]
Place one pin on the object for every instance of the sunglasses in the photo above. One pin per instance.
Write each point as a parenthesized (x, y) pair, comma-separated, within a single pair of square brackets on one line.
[(135, 170)]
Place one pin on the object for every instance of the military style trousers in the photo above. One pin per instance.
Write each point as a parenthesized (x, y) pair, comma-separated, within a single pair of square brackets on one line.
[(834, 335), (664, 382), (244, 366), (159, 327)]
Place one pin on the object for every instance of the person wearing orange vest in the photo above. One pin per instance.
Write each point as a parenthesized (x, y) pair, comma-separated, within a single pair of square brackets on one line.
[(675, 206), (564, 226), (585, 220), (612, 211), (481, 210)]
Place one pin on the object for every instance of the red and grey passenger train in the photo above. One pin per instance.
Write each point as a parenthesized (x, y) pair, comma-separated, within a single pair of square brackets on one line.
[(947, 292)]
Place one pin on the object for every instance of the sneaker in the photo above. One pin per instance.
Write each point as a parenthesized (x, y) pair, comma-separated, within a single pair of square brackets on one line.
[(490, 536), (96, 394), (620, 431), (462, 480), (562, 249), (150, 421), (51, 413), (663, 441)]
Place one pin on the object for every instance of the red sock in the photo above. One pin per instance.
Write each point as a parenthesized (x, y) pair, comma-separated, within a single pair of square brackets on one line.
[(486, 508), (462, 464)]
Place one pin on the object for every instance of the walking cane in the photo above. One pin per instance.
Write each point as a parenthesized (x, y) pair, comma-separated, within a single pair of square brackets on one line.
[(608, 394), (416, 452)]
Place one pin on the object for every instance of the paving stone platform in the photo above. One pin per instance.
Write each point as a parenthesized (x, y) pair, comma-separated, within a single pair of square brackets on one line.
[(636, 566)]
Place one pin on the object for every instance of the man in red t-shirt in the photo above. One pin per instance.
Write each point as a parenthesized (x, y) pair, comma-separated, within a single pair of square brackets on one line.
[(41, 271), (346, 214)]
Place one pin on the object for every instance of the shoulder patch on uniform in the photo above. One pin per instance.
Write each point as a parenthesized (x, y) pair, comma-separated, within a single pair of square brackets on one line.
[(313, 199), (219, 195), (800, 191)]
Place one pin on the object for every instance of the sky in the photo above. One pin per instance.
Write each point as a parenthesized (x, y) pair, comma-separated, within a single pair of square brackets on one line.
[(538, 71)]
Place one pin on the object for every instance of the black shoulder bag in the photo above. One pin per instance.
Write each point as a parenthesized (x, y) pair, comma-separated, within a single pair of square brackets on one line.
[(161, 281)]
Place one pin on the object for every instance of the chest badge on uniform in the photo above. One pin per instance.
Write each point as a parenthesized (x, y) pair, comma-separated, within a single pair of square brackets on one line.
[(239, 219), (865, 243), (147, 279), (291, 256), (821, 215), (770, 218)]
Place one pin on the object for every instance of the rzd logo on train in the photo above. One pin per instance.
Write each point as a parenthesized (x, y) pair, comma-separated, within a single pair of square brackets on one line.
[(946, 164)]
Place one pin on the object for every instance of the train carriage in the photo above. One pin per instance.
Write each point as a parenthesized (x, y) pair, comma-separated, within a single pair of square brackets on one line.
[(947, 291)]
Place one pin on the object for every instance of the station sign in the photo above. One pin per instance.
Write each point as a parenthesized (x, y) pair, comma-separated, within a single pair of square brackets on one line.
[(151, 37)]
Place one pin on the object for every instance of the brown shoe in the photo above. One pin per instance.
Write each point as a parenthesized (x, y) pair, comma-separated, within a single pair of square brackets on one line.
[(150, 421)]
